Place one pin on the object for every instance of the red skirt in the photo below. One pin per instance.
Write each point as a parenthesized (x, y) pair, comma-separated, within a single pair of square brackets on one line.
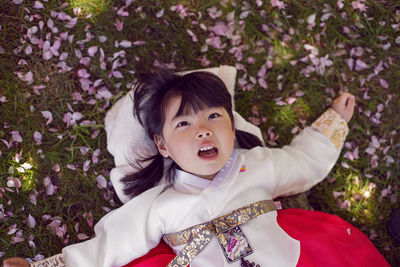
[(325, 240)]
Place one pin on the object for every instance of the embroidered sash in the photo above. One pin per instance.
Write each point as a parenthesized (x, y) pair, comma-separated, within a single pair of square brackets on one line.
[(198, 236)]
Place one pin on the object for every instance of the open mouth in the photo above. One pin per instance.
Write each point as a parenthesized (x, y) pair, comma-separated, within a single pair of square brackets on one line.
[(207, 151)]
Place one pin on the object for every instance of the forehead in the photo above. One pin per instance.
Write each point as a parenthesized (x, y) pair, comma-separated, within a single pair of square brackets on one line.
[(178, 105)]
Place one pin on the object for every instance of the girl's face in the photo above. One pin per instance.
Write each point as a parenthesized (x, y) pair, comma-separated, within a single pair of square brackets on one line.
[(200, 143)]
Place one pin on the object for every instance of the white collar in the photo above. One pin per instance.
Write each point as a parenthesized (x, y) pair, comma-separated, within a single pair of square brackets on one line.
[(188, 178)]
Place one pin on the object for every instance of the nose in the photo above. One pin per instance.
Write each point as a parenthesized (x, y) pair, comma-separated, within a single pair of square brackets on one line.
[(203, 132)]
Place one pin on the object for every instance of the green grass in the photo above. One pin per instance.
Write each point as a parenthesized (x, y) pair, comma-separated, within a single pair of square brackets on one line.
[(281, 47)]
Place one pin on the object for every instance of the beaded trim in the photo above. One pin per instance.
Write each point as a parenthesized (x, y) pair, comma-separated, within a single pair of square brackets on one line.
[(198, 236)]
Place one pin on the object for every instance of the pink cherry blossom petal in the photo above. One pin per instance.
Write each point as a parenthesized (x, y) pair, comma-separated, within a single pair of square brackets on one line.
[(86, 165), (92, 50), (263, 83), (71, 23), (101, 182), (383, 83), (82, 236), (37, 136), (38, 5), (50, 190), (95, 156), (63, 56), (71, 167), (102, 38), (104, 93), (47, 115), (15, 136), (117, 74), (311, 18), (50, 23), (278, 3), (31, 221), (160, 13), (119, 25), (83, 73), (47, 55), (95, 134), (125, 43), (361, 65), (32, 198), (28, 50), (139, 43)]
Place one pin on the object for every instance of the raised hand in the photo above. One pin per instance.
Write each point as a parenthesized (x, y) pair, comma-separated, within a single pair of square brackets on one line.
[(344, 105), (15, 262)]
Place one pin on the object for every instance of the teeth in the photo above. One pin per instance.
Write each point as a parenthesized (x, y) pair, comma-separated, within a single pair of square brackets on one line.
[(204, 148)]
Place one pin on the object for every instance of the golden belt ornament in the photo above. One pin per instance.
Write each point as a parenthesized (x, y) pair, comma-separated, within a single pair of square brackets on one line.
[(227, 230)]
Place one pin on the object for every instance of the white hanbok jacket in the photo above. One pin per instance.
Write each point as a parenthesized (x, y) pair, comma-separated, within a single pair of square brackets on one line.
[(261, 173), (250, 175)]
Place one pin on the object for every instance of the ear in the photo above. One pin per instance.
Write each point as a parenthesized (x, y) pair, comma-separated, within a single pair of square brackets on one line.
[(160, 143)]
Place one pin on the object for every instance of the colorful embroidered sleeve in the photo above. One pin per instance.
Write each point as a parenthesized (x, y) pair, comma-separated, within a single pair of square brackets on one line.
[(332, 125), (54, 261)]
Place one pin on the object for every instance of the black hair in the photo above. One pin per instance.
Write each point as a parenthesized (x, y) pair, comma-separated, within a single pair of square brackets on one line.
[(152, 95)]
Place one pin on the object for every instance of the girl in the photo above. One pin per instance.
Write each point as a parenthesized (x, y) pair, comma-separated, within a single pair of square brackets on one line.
[(214, 205)]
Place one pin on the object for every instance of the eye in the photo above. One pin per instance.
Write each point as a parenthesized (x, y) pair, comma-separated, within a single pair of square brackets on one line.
[(182, 123), (214, 115)]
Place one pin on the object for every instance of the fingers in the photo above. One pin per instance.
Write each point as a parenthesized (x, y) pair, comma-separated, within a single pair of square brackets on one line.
[(15, 262), (344, 105)]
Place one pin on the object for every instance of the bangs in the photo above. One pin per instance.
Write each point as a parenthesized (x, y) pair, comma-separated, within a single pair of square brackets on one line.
[(197, 93)]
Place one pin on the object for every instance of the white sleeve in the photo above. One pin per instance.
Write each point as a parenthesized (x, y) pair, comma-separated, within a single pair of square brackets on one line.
[(123, 235), (309, 157)]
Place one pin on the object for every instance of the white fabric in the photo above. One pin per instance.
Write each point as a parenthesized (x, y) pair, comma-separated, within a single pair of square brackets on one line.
[(126, 138), (132, 230)]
